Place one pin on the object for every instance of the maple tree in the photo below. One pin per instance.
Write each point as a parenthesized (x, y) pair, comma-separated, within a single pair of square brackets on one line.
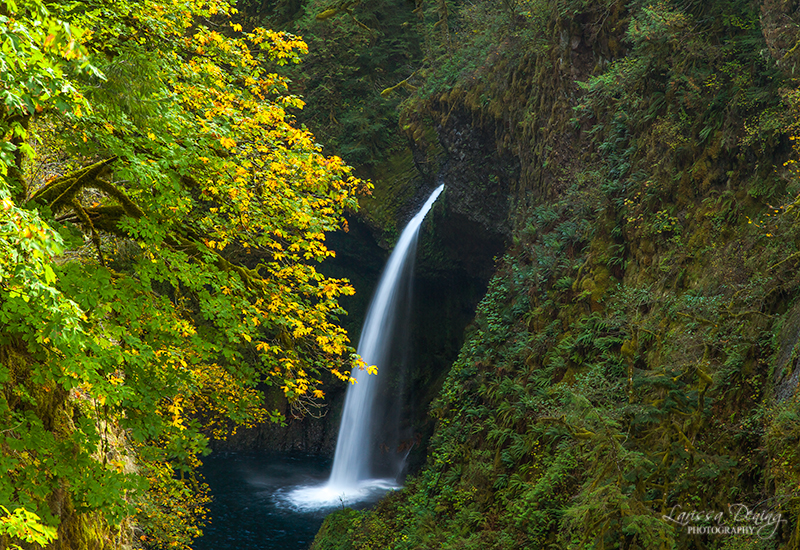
[(160, 222)]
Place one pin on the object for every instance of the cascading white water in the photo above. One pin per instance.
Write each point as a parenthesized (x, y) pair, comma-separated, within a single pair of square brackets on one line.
[(352, 458), (350, 477)]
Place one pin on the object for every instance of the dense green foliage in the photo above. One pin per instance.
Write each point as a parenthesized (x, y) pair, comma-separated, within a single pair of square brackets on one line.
[(160, 223), (353, 56), (636, 350), (635, 356)]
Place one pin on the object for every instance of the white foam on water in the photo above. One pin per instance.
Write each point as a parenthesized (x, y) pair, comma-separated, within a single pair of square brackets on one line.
[(313, 497)]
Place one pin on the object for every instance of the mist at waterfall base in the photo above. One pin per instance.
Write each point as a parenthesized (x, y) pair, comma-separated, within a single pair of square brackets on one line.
[(351, 476)]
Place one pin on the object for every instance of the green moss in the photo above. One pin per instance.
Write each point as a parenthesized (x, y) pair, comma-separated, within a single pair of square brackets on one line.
[(53, 405), (337, 531), (622, 360), (396, 181), (86, 531)]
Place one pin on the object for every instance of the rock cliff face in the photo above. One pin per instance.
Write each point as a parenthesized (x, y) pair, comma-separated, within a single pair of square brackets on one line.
[(307, 435), (478, 179), (472, 224)]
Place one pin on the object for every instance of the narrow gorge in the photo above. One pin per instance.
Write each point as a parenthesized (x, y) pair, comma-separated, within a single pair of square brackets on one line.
[(601, 346)]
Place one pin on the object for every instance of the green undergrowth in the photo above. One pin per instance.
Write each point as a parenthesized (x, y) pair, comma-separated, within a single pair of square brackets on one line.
[(582, 410), (633, 357)]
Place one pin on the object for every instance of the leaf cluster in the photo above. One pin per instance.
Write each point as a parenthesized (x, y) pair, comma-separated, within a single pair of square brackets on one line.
[(162, 217)]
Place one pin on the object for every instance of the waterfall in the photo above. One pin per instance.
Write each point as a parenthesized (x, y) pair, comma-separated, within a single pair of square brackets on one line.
[(351, 476), (352, 458)]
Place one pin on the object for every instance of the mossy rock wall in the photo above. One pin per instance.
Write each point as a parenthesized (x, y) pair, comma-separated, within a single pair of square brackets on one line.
[(636, 348), (50, 498)]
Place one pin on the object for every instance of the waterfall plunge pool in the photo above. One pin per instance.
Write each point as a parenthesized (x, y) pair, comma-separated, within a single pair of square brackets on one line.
[(252, 506)]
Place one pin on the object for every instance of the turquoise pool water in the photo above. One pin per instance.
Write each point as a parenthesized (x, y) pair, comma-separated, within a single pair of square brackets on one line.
[(248, 512)]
